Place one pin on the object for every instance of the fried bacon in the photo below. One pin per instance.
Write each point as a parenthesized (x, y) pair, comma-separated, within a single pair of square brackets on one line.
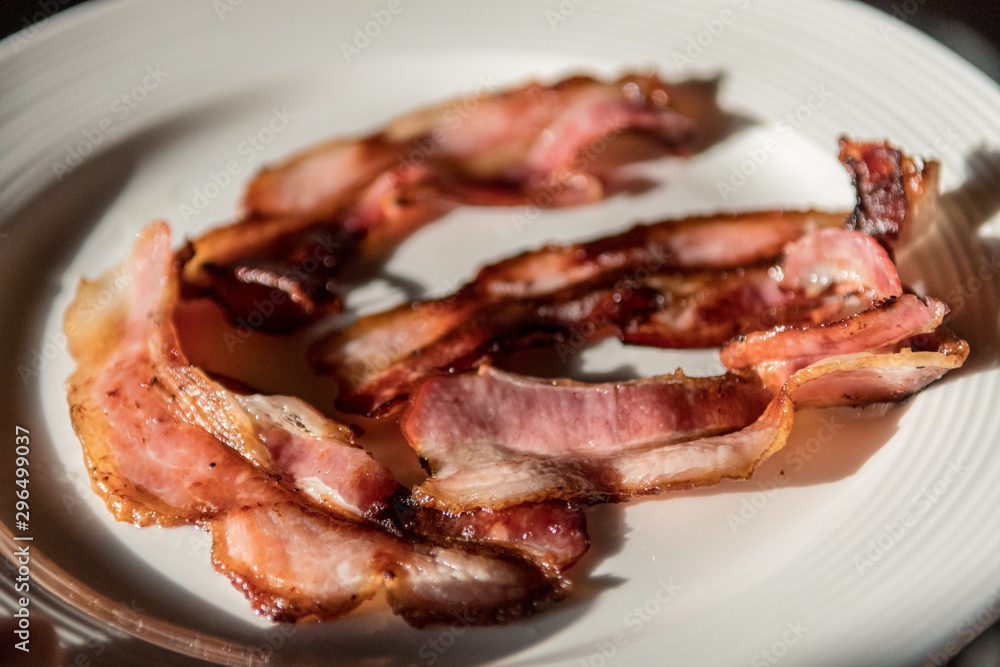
[(512, 437), (350, 201), (819, 278), (486, 448), (777, 353), (376, 369), (495, 439), (807, 306), (714, 277), (166, 445), (317, 458), (896, 193), (632, 278), (552, 534), (590, 443), (714, 242)]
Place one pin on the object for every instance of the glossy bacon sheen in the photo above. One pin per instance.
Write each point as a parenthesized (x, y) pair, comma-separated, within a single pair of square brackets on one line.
[(553, 533), (896, 199), (502, 438), (848, 262), (376, 368), (818, 279), (711, 242), (707, 309), (478, 459), (515, 302), (888, 374), (777, 353), (165, 444), (896, 194), (298, 565), (351, 201)]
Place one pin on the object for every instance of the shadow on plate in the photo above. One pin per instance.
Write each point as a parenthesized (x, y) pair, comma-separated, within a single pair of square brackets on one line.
[(971, 288)]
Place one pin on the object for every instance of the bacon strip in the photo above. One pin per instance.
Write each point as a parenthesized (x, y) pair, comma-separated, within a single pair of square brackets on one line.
[(820, 276), (896, 193), (879, 376), (777, 353), (712, 242), (603, 286), (496, 438), (485, 448), (716, 277), (334, 473), (707, 309), (376, 368), (350, 201), (552, 534), (166, 445)]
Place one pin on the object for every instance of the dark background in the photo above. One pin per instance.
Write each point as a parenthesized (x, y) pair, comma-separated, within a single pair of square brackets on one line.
[(969, 27)]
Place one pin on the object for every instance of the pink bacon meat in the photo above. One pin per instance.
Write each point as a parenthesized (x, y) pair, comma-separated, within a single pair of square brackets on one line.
[(496, 439), (166, 445), (710, 278), (490, 440), (377, 360), (350, 201)]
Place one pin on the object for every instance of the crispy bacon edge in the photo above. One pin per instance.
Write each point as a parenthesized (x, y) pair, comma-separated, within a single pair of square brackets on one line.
[(272, 542), (349, 202), (706, 286), (494, 472)]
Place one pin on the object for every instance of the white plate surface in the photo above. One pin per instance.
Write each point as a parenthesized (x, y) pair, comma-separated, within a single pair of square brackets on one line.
[(871, 539)]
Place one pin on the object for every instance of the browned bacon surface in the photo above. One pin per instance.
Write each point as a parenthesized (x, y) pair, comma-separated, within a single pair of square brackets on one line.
[(777, 353), (166, 445), (485, 447), (496, 438), (678, 282), (328, 469), (712, 242), (350, 201), (820, 277), (713, 277), (553, 534), (502, 433), (896, 193), (376, 368), (881, 375)]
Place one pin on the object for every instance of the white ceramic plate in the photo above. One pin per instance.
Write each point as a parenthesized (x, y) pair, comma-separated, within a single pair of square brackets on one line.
[(870, 539)]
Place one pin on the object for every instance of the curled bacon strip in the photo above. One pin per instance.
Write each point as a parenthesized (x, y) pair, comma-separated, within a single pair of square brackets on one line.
[(567, 296), (350, 201), (376, 368), (317, 457), (497, 438), (485, 447), (712, 278), (167, 445), (896, 193), (819, 278), (494, 439), (777, 353)]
